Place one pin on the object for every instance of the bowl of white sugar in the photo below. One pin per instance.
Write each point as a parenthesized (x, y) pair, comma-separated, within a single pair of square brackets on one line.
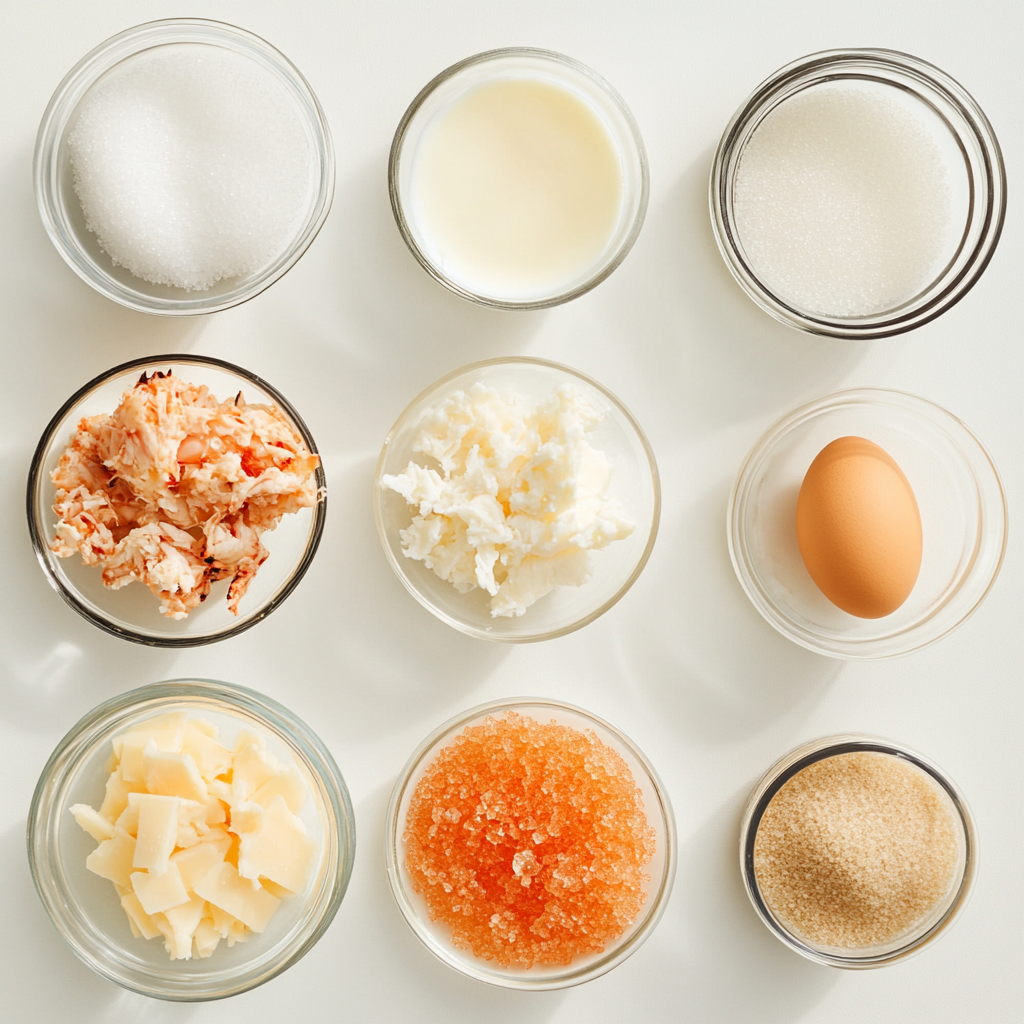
[(858, 193), (183, 166)]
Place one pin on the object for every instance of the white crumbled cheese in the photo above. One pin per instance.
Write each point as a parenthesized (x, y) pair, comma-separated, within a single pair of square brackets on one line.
[(521, 499), (204, 842)]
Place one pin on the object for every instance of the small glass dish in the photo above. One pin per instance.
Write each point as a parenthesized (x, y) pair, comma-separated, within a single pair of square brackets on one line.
[(437, 937), (85, 908), (931, 926), (518, 62), (132, 612), (965, 136), (61, 210), (634, 483), (959, 495)]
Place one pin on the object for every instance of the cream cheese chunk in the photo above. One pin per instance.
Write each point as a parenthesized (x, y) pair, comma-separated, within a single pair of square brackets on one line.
[(520, 501), (202, 842)]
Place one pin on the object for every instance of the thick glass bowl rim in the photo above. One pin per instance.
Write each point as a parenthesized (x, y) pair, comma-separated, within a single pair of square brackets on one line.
[(855, 648), (86, 73), (817, 67), (569, 977), (398, 143), (107, 717), (41, 547), (817, 750), (423, 599)]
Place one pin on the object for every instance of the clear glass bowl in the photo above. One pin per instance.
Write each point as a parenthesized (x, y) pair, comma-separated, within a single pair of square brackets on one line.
[(559, 70), (132, 612), (61, 210), (634, 483), (85, 907), (971, 138), (959, 495), (929, 928), (436, 937)]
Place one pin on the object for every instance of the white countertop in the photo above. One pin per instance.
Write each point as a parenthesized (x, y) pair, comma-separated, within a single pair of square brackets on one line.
[(684, 664)]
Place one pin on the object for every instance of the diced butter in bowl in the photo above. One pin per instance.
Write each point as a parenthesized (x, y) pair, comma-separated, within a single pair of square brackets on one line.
[(517, 499), (191, 839)]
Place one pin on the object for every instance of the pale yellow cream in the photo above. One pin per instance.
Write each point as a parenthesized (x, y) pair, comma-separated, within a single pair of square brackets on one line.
[(516, 189)]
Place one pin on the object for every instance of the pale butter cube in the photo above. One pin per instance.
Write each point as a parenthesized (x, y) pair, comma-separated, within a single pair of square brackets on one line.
[(223, 888), (158, 831), (221, 919), (245, 817), (184, 921), (211, 758), (198, 861), (116, 797), (166, 732), (114, 859), (250, 769), (170, 774), (206, 939), (96, 825), (276, 890), (237, 933), (142, 924), (187, 836), (278, 849), (286, 782), (158, 893)]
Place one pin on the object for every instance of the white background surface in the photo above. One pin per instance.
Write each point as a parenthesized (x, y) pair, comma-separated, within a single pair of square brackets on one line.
[(683, 664)]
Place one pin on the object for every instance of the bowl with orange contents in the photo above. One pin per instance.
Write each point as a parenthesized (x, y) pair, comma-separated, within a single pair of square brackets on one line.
[(530, 844), (191, 839), (185, 476)]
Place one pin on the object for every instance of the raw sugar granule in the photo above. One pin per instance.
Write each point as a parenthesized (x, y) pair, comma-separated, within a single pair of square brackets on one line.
[(192, 165), (856, 850), (529, 840)]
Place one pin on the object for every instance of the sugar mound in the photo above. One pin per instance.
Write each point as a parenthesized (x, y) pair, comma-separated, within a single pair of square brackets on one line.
[(192, 165), (842, 199)]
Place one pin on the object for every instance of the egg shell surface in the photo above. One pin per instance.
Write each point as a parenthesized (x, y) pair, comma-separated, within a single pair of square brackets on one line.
[(858, 528)]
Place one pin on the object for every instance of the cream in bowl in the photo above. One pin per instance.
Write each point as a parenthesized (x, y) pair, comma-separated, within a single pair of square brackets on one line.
[(518, 178)]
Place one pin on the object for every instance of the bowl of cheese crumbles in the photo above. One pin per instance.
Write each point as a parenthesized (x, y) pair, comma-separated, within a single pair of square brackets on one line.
[(191, 839)]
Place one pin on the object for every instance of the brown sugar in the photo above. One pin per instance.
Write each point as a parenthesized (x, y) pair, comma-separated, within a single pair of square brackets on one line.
[(856, 850), (529, 841)]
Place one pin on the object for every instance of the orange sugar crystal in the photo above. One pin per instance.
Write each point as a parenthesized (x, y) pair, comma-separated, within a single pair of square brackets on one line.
[(529, 841)]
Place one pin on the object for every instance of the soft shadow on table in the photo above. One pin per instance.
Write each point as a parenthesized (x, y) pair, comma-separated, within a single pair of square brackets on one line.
[(719, 358), (59, 332), (49, 683), (370, 930), (391, 314), (37, 956), (385, 661), (717, 935), (711, 665)]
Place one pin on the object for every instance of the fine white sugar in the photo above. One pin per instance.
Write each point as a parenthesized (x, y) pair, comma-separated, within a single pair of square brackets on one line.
[(843, 199), (192, 165)]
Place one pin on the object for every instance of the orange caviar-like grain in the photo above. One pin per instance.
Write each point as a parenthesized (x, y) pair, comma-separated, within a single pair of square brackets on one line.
[(529, 841)]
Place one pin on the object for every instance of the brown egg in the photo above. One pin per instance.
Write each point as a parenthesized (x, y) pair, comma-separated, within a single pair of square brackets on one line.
[(859, 528)]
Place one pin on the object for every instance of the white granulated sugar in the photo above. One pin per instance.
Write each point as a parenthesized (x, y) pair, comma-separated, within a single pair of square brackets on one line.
[(842, 199), (192, 165)]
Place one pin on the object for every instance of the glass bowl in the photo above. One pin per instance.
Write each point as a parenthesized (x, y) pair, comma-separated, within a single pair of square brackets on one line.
[(61, 210), (437, 938), (519, 62), (929, 928), (132, 613), (85, 908), (965, 137), (634, 483), (959, 495)]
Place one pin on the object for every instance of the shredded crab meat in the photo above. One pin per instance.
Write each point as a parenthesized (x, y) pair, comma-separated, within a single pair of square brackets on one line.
[(175, 488)]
